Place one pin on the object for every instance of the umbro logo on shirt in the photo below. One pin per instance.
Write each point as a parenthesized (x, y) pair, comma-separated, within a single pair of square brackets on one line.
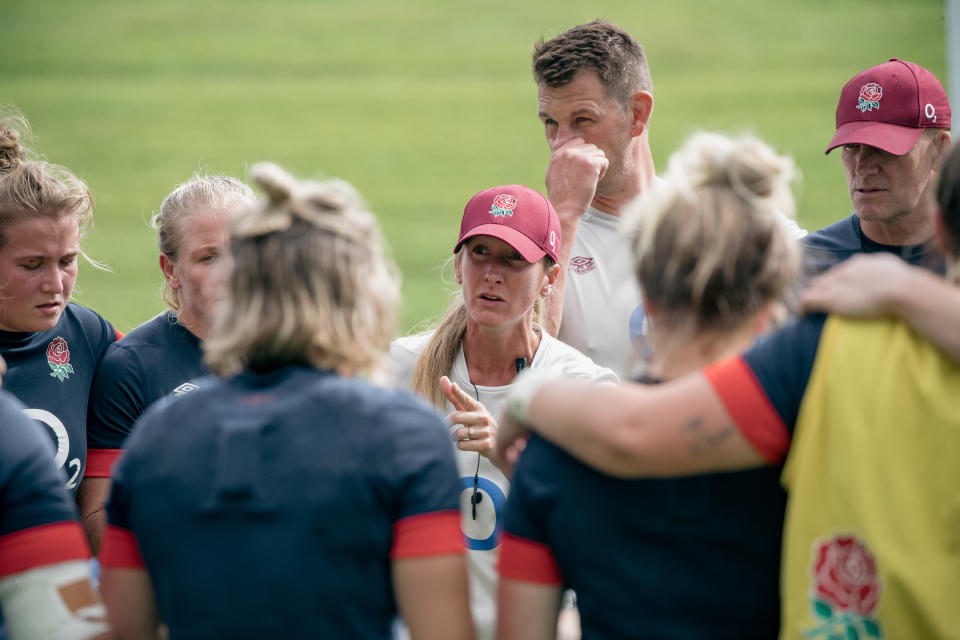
[(582, 264), (184, 389)]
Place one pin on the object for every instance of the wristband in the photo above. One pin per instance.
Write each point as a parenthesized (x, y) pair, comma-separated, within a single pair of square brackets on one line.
[(522, 391)]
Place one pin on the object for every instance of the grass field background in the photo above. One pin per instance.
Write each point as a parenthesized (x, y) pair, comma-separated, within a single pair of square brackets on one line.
[(419, 104)]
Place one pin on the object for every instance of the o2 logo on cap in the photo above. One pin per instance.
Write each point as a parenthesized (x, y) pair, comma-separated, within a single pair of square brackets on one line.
[(552, 239), (503, 205), (930, 112)]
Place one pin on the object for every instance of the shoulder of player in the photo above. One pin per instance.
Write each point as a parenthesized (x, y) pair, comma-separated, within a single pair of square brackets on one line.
[(410, 346), (396, 405), (120, 367), (402, 358), (559, 357), (81, 322), (172, 414), (839, 236), (156, 329)]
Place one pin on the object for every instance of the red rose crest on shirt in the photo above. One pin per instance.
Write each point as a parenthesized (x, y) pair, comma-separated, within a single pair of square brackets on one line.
[(58, 357), (503, 205), (845, 589), (870, 95), (582, 264)]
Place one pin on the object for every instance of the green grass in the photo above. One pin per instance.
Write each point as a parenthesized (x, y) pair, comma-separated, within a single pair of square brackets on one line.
[(419, 104)]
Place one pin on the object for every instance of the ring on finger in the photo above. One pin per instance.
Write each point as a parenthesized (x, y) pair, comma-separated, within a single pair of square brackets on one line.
[(469, 433)]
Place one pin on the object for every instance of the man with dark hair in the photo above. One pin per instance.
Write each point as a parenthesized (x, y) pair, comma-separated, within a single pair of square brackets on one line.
[(893, 124), (595, 100)]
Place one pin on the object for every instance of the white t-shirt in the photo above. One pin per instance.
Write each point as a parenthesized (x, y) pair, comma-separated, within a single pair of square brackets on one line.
[(483, 534), (601, 292)]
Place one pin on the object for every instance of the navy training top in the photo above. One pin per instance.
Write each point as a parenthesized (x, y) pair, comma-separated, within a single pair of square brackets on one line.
[(693, 557), (51, 373), (836, 242), (38, 520), (271, 505), (158, 357)]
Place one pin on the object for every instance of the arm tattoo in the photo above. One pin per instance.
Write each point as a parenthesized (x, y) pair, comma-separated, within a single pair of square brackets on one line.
[(700, 440)]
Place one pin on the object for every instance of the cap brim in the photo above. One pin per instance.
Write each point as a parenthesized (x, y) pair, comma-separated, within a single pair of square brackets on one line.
[(524, 245), (891, 138)]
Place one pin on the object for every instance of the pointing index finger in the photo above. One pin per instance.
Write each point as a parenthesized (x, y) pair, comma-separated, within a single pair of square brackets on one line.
[(460, 399)]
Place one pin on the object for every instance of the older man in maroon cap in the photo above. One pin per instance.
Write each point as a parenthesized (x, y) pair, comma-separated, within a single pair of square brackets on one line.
[(893, 124)]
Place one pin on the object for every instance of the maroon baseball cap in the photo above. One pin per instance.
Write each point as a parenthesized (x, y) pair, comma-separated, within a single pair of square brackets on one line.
[(518, 215), (888, 106)]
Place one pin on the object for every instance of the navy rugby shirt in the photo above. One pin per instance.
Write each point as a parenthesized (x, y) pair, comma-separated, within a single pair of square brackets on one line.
[(51, 373), (157, 358), (693, 557), (286, 494), (835, 243)]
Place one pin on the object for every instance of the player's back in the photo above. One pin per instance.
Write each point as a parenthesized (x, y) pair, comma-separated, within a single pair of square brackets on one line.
[(264, 505)]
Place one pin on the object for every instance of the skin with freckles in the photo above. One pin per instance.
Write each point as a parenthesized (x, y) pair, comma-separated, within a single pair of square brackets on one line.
[(38, 269)]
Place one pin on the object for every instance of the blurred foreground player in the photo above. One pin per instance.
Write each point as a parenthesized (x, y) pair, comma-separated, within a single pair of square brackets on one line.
[(45, 589), (163, 355), (289, 498), (682, 557), (862, 412)]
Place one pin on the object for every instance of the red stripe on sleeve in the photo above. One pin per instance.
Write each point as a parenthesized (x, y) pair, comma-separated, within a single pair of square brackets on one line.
[(119, 333), (750, 408), (100, 462), (39, 546), (427, 534), (528, 561), (120, 549)]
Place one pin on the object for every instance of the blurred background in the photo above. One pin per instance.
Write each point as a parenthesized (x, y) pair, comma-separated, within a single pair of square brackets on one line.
[(418, 103)]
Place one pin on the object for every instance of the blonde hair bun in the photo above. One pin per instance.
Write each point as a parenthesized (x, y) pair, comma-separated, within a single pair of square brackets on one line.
[(11, 152), (711, 246)]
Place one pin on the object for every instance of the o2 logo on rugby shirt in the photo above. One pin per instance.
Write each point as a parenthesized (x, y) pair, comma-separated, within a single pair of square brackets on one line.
[(62, 441), (480, 527)]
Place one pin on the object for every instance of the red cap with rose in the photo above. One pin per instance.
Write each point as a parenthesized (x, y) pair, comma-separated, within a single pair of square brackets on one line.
[(888, 106), (518, 215)]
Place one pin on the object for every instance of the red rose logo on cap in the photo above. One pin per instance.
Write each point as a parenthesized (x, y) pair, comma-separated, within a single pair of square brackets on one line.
[(870, 95), (846, 590), (58, 357), (503, 205)]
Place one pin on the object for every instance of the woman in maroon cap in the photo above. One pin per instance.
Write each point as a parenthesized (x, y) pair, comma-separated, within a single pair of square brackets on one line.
[(506, 261)]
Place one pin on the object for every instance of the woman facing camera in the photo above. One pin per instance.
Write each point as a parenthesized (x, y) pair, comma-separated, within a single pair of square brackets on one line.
[(51, 345), (688, 557), (288, 497), (164, 354), (861, 413), (505, 258)]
